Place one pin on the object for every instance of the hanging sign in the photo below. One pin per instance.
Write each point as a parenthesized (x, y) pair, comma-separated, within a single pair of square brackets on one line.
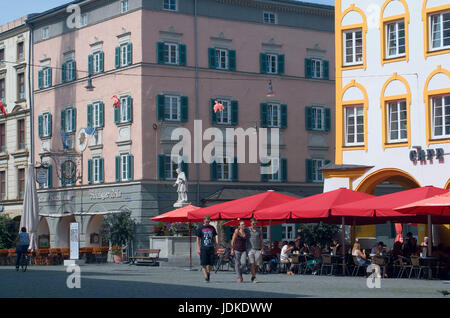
[(41, 174)]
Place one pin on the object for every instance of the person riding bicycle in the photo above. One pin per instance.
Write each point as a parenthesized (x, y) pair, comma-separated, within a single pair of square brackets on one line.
[(24, 240)]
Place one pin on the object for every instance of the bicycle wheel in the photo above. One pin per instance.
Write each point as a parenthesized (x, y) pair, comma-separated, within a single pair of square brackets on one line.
[(219, 263), (24, 263)]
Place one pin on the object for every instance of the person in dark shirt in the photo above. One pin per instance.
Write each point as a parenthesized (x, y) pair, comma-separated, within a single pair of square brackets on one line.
[(206, 246)]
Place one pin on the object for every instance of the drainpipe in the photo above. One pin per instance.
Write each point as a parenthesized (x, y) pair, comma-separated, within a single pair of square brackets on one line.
[(30, 90), (197, 165)]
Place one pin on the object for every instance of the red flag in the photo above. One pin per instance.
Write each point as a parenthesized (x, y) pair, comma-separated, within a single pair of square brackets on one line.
[(2, 108), (218, 107), (116, 102)]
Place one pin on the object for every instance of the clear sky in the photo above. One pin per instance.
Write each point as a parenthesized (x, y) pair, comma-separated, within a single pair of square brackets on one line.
[(14, 9)]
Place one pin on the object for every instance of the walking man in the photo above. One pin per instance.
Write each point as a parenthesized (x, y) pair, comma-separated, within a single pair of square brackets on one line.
[(206, 246), (239, 250), (255, 248)]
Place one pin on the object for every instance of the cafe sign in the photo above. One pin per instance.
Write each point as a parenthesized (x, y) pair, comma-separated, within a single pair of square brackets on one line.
[(103, 195), (426, 154)]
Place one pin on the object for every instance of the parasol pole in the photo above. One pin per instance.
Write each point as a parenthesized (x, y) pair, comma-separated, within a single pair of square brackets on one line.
[(343, 247), (430, 236), (190, 246)]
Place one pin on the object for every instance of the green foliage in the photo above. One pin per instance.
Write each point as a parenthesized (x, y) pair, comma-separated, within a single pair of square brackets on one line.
[(320, 233), (119, 228), (9, 229)]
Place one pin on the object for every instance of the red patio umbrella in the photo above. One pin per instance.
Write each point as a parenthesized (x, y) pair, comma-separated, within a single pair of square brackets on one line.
[(259, 223), (436, 205), (243, 208)]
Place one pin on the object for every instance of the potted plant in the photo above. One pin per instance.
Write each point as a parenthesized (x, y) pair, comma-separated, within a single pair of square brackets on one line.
[(120, 229)]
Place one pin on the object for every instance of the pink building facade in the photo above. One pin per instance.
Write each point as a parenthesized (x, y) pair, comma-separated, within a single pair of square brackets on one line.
[(167, 62)]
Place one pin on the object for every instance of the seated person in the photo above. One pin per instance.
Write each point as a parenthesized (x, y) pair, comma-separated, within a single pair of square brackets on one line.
[(337, 248), (273, 257), (410, 246), (381, 249), (360, 255), (316, 253), (424, 246), (397, 250), (285, 256)]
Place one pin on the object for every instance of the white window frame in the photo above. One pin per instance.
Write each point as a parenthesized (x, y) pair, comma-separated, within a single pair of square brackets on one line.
[(69, 112), (6, 186), (96, 61), (221, 53), (270, 17), (443, 115), (316, 63), (124, 6), (123, 54), (124, 109), (96, 170), (69, 66), (397, 104), (169, 102), (355, 133), (441, 30), (318, 118), (45, 125), (354, 54), (288, 228), (45, 33), (271, 63), (84, 20), (224, 117), (46, 76), (168, 4), (274, 176), (271, 122), (225, 166), (172, 52), (124, 167), (171, 166), (317, 175), (96, 114), (396, 32), (265, 231)]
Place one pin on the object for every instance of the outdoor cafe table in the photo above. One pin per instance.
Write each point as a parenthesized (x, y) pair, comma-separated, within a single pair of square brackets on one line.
[(429, 262)]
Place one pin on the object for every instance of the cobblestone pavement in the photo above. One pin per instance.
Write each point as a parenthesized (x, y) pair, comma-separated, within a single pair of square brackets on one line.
[(121, 280)]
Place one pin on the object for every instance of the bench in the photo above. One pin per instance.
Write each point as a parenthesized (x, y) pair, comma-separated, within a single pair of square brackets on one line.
[(146, 256)]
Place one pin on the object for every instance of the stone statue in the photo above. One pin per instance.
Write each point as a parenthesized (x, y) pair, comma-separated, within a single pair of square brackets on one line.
[(182, 189)]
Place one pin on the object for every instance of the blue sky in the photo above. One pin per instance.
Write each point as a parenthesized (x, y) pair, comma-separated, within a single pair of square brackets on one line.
[(11, 10)]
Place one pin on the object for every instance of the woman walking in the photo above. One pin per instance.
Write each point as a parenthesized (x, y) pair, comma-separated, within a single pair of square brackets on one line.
[(239, 250)]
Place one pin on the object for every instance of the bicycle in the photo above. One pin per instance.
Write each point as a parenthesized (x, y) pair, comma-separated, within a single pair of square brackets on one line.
[(224, 258), (23, 264)]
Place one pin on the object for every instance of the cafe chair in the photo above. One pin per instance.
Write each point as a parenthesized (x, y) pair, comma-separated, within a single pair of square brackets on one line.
[(404, 266), (12, 256), (54, 256), (358, 266), (4, 257), (416, 266), (326, 263), (380, 261)]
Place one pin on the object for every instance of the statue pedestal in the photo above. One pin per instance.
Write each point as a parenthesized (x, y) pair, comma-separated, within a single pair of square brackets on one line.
[(179, 204)]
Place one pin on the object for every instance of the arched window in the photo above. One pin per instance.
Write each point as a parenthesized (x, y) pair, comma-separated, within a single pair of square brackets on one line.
[(354, 29)]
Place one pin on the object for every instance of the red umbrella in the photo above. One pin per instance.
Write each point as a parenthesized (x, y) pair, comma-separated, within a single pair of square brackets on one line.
[(383, 206), (247, 223), (243, 208), (314, 207), (436, 205), (177, 215)]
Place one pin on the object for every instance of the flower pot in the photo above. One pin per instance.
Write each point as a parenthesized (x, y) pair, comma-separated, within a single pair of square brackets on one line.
[(117, 259)]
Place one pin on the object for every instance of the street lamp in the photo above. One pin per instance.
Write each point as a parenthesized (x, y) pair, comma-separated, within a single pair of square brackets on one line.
[(89, 87)]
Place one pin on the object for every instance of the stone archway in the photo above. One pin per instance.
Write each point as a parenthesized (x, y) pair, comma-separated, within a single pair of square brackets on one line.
[(63, 231), (93, 235), (43, 233)]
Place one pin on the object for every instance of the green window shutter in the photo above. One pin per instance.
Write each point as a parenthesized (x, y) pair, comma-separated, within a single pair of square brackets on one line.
[(117, 159), (213, 114), (235, 171), (161, 167), (160, 52), (117, 114), (50, 71), (263, 114), (284, 117), (90, 171), (130, 172), (309, 170), (182, 52), (129, 108), (234, 112), (40, 126), (232, 60), (212, 58), (49, 177), (63, 72), (90, 121), (184, 108), (161, 100), (264, 176), (327, 119), (283, 167), (102, 61), (63, 120), (213, 171), (117, 57), (101, 169), (129, 53), (308, 68), (90, 64), (102, 114), (74, 119), (40, 79), (185, 168), (50, 125), (326, 71), (74, 70), (281, 64), (308, 117), (263, 63)]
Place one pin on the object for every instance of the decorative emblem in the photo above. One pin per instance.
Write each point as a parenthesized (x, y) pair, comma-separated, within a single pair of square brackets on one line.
[(69, 170), (82, 140)]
